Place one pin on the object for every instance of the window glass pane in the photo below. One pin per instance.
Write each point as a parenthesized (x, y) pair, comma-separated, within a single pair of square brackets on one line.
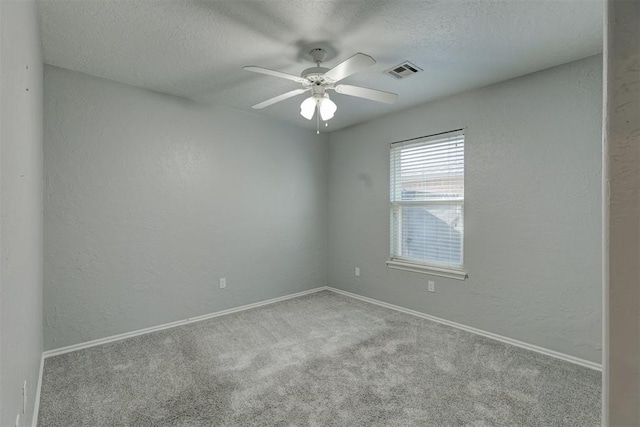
[(432, 233), (431, 172)]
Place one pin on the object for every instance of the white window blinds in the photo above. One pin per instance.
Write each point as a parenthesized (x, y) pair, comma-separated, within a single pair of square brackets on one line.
[(427, 200)]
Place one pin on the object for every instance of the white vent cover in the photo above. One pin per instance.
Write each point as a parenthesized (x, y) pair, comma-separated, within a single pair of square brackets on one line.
[(403, 70)]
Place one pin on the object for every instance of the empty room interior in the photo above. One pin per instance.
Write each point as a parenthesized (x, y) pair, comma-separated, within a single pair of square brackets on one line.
[(319, 213)]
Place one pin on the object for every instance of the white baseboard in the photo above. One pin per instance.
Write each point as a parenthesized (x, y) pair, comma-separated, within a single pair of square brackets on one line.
[(476, 331), (93, 343), (126, 335), (511, 341), (36, 403), (542, 350)]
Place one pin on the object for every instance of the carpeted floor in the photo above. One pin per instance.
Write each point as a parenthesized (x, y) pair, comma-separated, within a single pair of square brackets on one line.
[(318, 360)]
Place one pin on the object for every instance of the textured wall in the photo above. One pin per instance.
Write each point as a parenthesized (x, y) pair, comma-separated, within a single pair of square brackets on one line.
[(532, 209), (20, 208), (150, 199), (622, 209)]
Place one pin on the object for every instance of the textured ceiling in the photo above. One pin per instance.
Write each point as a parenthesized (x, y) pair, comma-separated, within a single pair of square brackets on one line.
[(196, 48)]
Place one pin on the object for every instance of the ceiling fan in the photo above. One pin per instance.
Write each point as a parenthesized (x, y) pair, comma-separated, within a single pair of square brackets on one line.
[(318, 80)]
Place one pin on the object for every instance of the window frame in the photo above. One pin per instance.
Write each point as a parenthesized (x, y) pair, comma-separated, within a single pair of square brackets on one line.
[(395, 206)]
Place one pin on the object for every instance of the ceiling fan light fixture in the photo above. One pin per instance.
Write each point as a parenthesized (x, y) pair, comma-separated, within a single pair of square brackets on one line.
[(308, 107), (327, 108)]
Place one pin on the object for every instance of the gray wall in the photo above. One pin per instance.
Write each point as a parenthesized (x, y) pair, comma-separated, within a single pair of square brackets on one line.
[(532, 209), (622, 209), (150, 199), (20, 208)]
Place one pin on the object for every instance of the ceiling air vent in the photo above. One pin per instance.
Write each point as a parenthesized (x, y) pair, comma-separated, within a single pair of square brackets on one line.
[(403, 70)]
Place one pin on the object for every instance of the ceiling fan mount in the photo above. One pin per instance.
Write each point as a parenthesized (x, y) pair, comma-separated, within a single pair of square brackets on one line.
[(318, 54), (318, 80)]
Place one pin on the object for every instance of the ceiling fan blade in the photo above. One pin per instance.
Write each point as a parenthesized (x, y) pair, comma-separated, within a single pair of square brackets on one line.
[(357, 62), (274, 73), (363, 92), (279, 98)]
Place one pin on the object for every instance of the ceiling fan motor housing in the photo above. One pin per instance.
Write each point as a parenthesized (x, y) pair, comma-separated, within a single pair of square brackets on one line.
[(315, 74)]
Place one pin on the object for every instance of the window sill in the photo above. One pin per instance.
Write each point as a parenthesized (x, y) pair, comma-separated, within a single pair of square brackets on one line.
[(426, 269)]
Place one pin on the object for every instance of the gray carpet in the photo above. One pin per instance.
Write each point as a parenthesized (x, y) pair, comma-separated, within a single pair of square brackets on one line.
[(318, 360)]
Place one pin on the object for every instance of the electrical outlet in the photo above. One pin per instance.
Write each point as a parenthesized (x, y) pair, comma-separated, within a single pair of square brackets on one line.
[(223, 283), (432, 286), (357, 271), (24, 397)]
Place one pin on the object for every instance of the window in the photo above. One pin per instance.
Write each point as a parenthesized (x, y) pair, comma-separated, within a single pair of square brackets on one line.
[(427, 204)]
